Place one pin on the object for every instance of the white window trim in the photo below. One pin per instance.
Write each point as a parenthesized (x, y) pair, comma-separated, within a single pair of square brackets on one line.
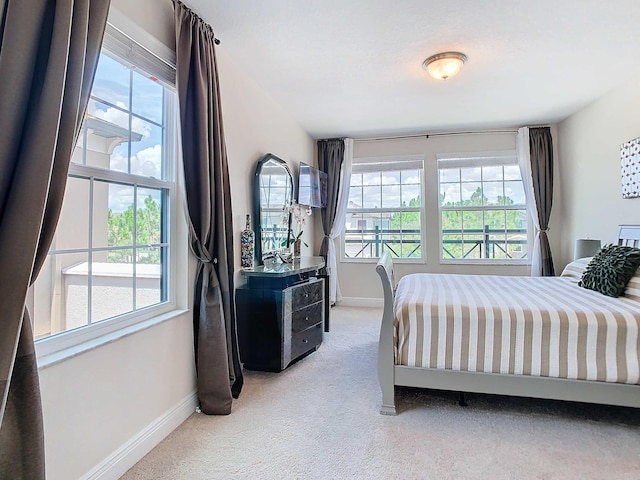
[(64, 345), (392, 163), (125, 25), (479, 159)]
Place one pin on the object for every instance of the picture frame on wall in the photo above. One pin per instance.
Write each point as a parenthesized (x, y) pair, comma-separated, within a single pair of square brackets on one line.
[(630, 165)]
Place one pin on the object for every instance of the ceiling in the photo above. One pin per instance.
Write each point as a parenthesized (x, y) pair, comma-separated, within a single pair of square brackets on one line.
[(354, 67)]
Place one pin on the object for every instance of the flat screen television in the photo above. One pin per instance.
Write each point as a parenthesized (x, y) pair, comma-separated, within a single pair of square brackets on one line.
[(312, 186)]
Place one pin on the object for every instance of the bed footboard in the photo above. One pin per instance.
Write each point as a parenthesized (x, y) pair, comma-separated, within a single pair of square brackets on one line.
[(385, 344)]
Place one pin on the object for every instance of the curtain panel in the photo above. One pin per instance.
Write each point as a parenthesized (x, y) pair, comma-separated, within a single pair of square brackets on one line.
[(535, 157), (330, 159), (48, 56), (541, 152), (208, 198)]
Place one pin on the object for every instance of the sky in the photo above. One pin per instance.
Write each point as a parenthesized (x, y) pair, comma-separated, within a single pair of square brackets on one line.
[(391, 189), (384, 189), (136, 98)]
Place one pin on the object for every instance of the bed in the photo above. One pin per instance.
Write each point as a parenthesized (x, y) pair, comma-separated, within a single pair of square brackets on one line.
[(541, 337)]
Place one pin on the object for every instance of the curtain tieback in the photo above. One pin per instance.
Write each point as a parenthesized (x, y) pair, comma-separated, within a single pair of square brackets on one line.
[(206, 260), (545, 230)]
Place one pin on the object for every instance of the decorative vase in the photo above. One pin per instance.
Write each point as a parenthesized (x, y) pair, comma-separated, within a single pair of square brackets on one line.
[(296, 248), (247, 245)]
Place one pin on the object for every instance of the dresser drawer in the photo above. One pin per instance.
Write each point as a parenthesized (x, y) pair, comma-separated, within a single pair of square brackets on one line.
[(306, 317), (306, 340), (306, 294)]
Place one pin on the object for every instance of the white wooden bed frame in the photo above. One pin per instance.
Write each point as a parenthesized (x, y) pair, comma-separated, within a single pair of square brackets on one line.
[(391, 375)]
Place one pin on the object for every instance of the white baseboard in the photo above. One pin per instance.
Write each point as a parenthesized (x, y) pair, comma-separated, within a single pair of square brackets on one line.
[(125, 457), (361, 302)]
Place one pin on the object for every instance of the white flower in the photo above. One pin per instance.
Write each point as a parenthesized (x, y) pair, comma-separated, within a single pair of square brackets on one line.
[(298, 218)]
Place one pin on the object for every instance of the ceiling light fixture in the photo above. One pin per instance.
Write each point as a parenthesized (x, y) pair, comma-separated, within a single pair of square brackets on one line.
[(444, 65)]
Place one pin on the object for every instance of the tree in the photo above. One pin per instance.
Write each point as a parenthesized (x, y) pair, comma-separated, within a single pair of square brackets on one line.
[(455, 220), (148, 223), (403, 221), (477, 198)]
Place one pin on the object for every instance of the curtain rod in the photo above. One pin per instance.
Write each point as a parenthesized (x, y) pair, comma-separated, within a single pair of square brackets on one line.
[(427, 135)]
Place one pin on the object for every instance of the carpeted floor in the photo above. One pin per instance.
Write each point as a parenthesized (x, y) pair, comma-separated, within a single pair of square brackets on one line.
[(319, 420)]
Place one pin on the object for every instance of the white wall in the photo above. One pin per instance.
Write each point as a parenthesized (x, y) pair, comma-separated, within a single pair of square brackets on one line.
[(256, 125), (590, 192), (358, 280), (99, 401), (154, 17), (102, 407)]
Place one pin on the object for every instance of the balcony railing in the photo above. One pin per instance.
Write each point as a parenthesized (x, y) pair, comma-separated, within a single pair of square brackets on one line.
[(272, 237), (488, 246)]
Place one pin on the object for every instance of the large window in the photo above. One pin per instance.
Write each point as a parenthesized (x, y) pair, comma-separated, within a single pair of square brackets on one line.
[(483, 210), (385, 209), (111, 252)]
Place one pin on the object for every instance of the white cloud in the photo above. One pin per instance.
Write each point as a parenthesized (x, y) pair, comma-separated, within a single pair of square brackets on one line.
[(121, 118), (451, 192), (411, 180), (147, 162), (120, 197), (118, 162)]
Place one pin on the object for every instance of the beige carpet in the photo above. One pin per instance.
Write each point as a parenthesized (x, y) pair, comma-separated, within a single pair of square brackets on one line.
[(319, 420)]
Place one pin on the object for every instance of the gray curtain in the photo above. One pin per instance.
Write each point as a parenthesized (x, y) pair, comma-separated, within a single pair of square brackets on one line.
[(208, 195), (541, 151), (330, 157), (48, 54)]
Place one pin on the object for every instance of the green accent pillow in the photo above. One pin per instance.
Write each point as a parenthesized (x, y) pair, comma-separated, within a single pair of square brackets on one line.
[(611, 269)]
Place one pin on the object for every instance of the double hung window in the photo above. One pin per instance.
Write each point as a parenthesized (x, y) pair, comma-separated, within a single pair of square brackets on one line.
[(385, 208), (111, 255), (483, 210)]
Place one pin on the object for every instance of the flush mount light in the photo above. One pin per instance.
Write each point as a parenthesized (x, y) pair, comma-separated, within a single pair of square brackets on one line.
[(444, 65)]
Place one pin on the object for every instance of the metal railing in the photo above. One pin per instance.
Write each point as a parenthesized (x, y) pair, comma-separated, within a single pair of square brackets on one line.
[(273, 237), (377, 239)]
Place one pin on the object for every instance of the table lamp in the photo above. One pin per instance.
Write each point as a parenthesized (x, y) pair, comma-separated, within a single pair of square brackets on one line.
[(586, 247)]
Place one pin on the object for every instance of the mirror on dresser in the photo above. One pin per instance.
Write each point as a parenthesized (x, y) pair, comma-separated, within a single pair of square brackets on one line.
[(272, 190)]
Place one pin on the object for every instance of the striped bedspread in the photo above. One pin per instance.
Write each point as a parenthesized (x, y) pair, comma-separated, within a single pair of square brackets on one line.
[(519, 325)]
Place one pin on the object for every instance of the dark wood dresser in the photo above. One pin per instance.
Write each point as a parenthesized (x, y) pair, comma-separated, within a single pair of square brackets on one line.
[(280, 311)]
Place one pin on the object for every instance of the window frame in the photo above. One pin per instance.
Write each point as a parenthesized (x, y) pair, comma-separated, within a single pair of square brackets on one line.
[(392, 163), (159, 62), (481, 159)]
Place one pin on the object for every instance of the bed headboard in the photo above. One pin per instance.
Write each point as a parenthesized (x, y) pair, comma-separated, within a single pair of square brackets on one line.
[(629, 235)]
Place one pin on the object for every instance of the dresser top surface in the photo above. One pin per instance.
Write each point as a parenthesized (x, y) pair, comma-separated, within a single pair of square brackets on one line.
[(299, 265)]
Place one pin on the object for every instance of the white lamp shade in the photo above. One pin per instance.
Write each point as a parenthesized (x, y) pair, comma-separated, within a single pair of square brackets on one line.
[(586, 247), (444, 65)]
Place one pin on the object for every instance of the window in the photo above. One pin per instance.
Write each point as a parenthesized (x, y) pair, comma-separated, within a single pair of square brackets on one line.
[(111, 254), (385, 208), (483, 211)]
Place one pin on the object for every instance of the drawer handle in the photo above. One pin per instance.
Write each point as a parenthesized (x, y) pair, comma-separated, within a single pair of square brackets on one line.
[(306, 295), (304, 340), (306, 318)]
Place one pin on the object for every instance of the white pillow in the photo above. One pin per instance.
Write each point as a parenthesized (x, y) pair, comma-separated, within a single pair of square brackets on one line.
[(574, 270), (633, 287)]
